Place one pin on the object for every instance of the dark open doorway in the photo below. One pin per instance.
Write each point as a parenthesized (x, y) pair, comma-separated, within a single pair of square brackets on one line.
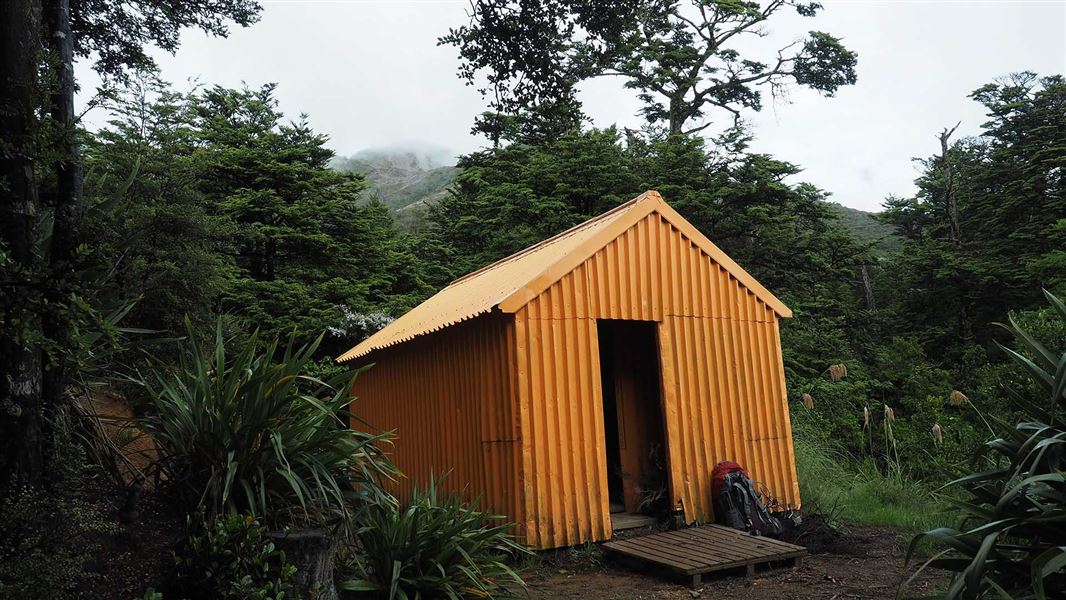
[(632, 417)]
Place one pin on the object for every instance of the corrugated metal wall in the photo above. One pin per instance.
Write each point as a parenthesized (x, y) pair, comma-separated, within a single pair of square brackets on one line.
[(449, 397), (563, 453), (723, 381)]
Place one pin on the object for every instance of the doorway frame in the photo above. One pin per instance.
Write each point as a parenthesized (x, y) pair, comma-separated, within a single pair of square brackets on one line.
[(660, 382)]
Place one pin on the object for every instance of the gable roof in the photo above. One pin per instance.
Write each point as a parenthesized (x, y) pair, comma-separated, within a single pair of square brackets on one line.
[(510, 283)]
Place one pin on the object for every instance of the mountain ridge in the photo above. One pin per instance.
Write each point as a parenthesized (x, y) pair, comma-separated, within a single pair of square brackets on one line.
[(407, 179)]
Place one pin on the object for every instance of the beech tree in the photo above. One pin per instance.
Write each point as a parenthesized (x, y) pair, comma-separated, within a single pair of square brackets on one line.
[(986, 230), (308, 247), (680, 56), (41, 198)]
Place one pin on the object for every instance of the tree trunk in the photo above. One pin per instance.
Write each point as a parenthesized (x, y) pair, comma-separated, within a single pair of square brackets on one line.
[(965, 327), (677, 119), (69, 205), (70, 208), (949, 185), (311, 551), (20, 352), (868, 288)]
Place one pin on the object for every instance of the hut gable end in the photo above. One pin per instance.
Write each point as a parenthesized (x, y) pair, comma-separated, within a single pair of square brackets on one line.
[(513, 282), (650, 271)]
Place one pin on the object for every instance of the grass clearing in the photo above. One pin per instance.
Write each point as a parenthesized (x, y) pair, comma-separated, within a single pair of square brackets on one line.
[(851, 493)]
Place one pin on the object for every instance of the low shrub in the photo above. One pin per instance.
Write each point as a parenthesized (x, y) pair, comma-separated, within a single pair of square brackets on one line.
[(230, 557), (47, 542), (436, 547), (248, 431), (49, 537)]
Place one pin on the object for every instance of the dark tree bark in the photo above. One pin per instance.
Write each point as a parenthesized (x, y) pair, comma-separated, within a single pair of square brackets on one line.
[(69, 207), (69, 204), (311, 551), (20, 358)]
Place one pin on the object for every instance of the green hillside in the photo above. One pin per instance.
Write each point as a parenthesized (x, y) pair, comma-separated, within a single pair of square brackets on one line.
[(404, 180), (864, 226)]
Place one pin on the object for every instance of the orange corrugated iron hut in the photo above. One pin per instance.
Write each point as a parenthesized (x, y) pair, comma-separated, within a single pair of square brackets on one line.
[(626, 355)]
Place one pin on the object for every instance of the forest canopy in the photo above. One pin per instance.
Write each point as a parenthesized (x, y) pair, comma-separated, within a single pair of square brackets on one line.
[(207, 237)]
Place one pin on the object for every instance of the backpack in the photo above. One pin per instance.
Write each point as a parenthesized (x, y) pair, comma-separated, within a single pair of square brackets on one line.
[(738, 505)]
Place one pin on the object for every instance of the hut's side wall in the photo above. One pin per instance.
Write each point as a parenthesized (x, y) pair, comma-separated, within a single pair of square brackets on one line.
[(449, 398), (722, 380)]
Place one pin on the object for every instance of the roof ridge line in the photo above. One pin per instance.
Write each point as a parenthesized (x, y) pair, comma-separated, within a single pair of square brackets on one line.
[(628, 203), (523, 294)]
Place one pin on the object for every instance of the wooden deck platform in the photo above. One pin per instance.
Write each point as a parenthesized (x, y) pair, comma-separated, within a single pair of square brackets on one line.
[(691, 553)]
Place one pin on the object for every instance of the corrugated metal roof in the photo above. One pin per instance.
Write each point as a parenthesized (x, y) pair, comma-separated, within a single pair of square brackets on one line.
[(513, 281)]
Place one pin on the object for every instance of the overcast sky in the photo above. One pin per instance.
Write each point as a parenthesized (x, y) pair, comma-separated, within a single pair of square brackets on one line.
[(369, 74)]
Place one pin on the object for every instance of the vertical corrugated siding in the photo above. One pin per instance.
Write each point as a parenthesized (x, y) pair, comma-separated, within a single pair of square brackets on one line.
[(565, 482), (722, 376), (449, 397)]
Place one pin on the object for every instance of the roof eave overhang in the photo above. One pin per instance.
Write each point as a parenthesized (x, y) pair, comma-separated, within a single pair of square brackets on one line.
[(639, 208)]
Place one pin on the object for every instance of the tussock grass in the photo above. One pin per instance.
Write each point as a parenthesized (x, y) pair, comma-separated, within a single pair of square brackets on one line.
[(850, 492)]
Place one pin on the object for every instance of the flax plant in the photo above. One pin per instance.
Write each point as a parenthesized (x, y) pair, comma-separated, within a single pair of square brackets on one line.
[(438, 546), (1012, 540), (245, 430)]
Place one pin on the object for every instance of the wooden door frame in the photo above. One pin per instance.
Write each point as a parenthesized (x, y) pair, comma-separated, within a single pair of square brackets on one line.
[(655, 340)]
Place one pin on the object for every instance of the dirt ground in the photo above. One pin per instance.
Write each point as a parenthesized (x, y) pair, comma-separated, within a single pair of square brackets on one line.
[(862, 563)]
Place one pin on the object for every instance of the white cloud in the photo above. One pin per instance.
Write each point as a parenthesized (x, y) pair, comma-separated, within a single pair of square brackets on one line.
[(371, 75)]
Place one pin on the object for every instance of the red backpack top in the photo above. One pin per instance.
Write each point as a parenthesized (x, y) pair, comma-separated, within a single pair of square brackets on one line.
[(720, 471)]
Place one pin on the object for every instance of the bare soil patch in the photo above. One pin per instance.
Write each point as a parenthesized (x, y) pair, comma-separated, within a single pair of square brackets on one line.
[(865, 562)]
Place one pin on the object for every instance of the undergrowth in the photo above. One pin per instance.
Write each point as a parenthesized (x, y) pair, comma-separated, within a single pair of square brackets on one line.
[(851, 492)]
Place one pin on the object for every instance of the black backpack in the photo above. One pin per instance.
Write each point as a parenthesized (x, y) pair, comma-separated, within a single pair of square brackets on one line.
[(739, 505)]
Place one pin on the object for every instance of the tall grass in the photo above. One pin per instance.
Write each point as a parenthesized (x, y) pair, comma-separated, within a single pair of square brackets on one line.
[(854, 492), (1011, 541)]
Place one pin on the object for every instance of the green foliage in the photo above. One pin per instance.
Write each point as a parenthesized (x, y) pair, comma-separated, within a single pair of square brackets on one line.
[(511, 197), (305, 247), (115, 35), (231, 557), (49, 537), (855, 492), (436, 547), (1009, 541), (1011, 199), (210, 202), (682, 58), (240, 429), (152, 231)]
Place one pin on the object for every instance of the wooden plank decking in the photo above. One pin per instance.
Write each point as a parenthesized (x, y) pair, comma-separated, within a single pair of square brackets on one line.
[(693, 552)]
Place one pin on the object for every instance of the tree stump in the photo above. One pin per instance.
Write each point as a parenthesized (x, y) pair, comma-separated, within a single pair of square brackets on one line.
[(311, 551)]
